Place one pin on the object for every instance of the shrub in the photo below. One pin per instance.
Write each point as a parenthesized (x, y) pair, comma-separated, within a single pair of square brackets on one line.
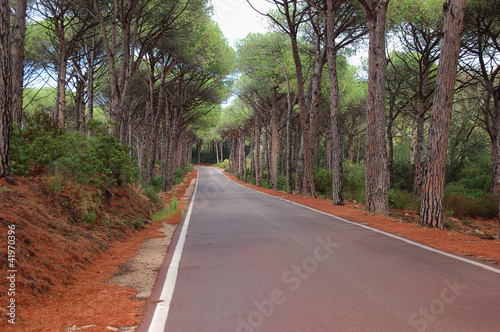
[(157, 182), (174, 204), (179, 176), (223, 164), (323, 182), (38, 143), (461, 202), (281, 183), (354, 182), (90, 218), (41, 143), (403, 200), (138, 223), (190, 168), (152, 193)]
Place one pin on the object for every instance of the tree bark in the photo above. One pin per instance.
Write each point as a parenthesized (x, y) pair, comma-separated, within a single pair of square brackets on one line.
[(217, 151), (274, 143), (432, 211), (258, 164), (60, 109), (18, 38), (376, 165), (5, 89), (337, 159)]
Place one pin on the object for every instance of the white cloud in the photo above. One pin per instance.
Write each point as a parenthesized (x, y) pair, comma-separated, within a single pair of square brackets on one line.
[(237, 19)]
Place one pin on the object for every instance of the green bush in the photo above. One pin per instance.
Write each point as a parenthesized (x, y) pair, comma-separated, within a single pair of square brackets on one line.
[(223, 164), (152, 193), (462, 202), (281, 183), (179, 176), (174, 204), (190, 168), (323, 182), (90, 218), (354, 182), (41, 143), (476, 176), (38, 143), (157, 182), (403, 200)]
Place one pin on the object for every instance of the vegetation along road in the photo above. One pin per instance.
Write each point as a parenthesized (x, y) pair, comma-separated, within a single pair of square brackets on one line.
[(246, 261)]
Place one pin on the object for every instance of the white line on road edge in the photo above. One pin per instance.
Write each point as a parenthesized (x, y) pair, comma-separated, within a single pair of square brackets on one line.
[(163, 307), (462, 259)]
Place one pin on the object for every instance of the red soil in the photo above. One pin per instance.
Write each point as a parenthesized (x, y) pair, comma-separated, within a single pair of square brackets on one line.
[(63, 262)]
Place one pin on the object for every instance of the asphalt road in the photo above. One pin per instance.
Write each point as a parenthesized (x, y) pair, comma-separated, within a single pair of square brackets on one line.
[(251, 262)]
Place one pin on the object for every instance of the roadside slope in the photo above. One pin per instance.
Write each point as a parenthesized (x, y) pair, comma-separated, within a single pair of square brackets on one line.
[(69, 243)]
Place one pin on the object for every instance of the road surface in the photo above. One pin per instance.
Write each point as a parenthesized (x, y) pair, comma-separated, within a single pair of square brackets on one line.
[(246, 261)]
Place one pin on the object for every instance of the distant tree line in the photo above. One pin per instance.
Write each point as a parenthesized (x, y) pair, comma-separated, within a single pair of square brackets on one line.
[(150, 71), (432, 93)]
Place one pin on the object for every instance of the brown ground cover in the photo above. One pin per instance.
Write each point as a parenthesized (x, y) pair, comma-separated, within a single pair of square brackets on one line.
[(64, 264)]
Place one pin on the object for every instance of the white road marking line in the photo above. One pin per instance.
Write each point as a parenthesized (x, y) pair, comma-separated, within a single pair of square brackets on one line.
[(462, 259), (163, 307)]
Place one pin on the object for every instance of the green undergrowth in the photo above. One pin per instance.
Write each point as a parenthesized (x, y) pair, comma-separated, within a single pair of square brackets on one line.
[(467, 198), (92, 160), (167, 211)]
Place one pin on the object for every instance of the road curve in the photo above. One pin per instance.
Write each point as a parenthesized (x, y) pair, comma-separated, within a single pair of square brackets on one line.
[(246, 261)]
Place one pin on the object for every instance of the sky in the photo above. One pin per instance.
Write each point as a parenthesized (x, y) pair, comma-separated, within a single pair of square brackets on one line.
[(237, 19)]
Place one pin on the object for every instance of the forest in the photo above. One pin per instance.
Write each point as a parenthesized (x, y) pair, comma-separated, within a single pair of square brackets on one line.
[(136, 90)]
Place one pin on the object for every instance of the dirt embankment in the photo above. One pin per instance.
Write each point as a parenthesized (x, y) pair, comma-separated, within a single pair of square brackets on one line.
[(69, 241)]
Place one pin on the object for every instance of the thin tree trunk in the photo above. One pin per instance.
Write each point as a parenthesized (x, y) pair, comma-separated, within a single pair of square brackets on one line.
[(419, 155), (432, 211), (17, 58), (61, 90), (91, 56), (258, 163), (274, 143), (5, 89), (337, 158), (376, 170), (217, 151)]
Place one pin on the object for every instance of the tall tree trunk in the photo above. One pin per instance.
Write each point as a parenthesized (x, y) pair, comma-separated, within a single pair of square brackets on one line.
[(258, 164), (432, 211), (5, 89), (419, 154), (274, 143), (376, 170), (243, 157), (390, 151), (221, 151), (91, 57), (289, 179), (80, 104), (60, 109), (217, 151), (198, 152), (18, 38), (263, 155), (419, 144), (337, 159), (310, 135)]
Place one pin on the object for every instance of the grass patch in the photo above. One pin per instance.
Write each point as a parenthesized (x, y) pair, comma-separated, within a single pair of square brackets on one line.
[(90, 218), (4, 190), (167, 211)]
